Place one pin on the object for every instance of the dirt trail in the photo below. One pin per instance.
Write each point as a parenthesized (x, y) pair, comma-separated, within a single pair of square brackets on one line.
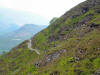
[(30, 47)]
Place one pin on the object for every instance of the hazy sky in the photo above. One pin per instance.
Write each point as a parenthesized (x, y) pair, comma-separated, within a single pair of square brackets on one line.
[(45, 8)]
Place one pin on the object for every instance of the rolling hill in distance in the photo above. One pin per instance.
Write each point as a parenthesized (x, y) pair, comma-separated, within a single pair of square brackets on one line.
[(17, 26), (11, 20), (5, 28), (12, 39)]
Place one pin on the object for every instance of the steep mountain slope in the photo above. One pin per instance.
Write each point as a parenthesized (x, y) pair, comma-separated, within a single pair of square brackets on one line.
[(69, 46), (16, 37)]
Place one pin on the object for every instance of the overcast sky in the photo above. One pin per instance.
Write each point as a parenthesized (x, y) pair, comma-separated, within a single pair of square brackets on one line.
[(45, 8)]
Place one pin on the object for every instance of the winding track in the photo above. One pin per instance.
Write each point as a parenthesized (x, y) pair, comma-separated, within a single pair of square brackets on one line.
[(30, 47)]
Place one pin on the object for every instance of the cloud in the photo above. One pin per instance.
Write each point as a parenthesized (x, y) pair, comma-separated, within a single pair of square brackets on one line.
[(47, 8)]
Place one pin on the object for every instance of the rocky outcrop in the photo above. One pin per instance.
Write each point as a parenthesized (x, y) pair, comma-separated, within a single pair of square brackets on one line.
[(55, 73), (93, 25), (49, 58), (81, 8), (97, 72)]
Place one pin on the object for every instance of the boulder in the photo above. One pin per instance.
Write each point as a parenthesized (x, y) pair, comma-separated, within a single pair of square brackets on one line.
[(97, 72)]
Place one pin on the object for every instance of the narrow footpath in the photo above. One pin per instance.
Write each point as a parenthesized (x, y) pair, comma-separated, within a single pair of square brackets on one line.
[(30, 47)]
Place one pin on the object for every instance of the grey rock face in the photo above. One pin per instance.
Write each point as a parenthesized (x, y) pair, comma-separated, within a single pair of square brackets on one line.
[(55, 73), (49, 58), (97, 72), (81, 8)]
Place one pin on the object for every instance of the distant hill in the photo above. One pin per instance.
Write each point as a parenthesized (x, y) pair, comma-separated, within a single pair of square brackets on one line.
[(12, 39), (5, 28), (11, 19)]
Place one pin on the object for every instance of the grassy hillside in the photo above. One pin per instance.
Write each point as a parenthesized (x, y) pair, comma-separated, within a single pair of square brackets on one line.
[(69, 46)]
